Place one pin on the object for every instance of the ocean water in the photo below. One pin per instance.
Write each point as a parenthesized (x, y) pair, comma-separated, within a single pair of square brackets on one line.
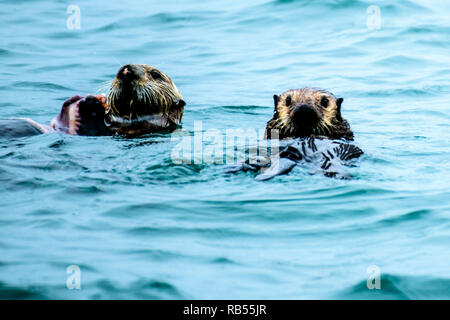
[(140, 226)]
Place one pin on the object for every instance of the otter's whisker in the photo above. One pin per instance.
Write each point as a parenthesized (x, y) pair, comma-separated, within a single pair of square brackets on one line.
[(148, 94), (105, 85)]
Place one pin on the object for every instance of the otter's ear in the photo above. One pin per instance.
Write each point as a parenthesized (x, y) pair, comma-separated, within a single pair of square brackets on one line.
[(339, 104), (275, 100)]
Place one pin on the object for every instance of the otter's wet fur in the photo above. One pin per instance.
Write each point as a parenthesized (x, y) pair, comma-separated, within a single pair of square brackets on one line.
[(311, 132), (308, 112), (143, 99)]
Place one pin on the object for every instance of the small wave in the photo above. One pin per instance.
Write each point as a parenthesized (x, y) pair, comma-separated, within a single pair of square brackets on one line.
[(48, 86), (154, 254), (155, 288), (397, 7), (76, 191), (21, 293), (186, 16), (327, 3), (4, 52), (396, 60), (210, 233), (223, 260), (251, 110), (49, 68), (400, 287), (159, 20), (141, 289), (408, 92), (406, 217), (425, 29)]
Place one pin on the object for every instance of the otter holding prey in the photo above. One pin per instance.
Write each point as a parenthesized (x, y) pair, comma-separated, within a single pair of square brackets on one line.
[(312, 132), (142, 100)]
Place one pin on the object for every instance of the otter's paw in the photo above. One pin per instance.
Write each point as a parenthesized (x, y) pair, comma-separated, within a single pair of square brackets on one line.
[(91, 112), (82, 116)]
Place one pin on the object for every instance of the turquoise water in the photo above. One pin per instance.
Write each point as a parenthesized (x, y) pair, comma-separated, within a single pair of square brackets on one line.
[(141, 226)]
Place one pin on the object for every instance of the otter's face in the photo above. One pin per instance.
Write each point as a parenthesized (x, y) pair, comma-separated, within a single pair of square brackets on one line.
[(307, 111), (141, 90)]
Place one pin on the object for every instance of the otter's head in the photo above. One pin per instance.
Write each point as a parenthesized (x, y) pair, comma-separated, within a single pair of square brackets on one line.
[(307, 111), (143, 99)]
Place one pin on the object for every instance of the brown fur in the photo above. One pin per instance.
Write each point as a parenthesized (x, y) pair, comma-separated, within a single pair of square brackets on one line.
[(147, 103), (330, 123)]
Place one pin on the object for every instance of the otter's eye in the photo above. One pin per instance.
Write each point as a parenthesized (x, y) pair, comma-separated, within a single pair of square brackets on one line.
[(156, 75), (288, 101), (324, 102)]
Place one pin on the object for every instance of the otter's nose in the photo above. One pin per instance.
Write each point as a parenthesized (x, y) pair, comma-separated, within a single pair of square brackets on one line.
[(305, 114), (128, 73)]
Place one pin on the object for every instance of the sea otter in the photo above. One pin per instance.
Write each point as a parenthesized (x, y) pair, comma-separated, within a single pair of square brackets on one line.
[(143, 99), (312, 131), (308, 112)]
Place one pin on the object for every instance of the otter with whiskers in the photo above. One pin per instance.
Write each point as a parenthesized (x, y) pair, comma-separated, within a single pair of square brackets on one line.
[(311, 132), (308, 112), (143, 99)]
